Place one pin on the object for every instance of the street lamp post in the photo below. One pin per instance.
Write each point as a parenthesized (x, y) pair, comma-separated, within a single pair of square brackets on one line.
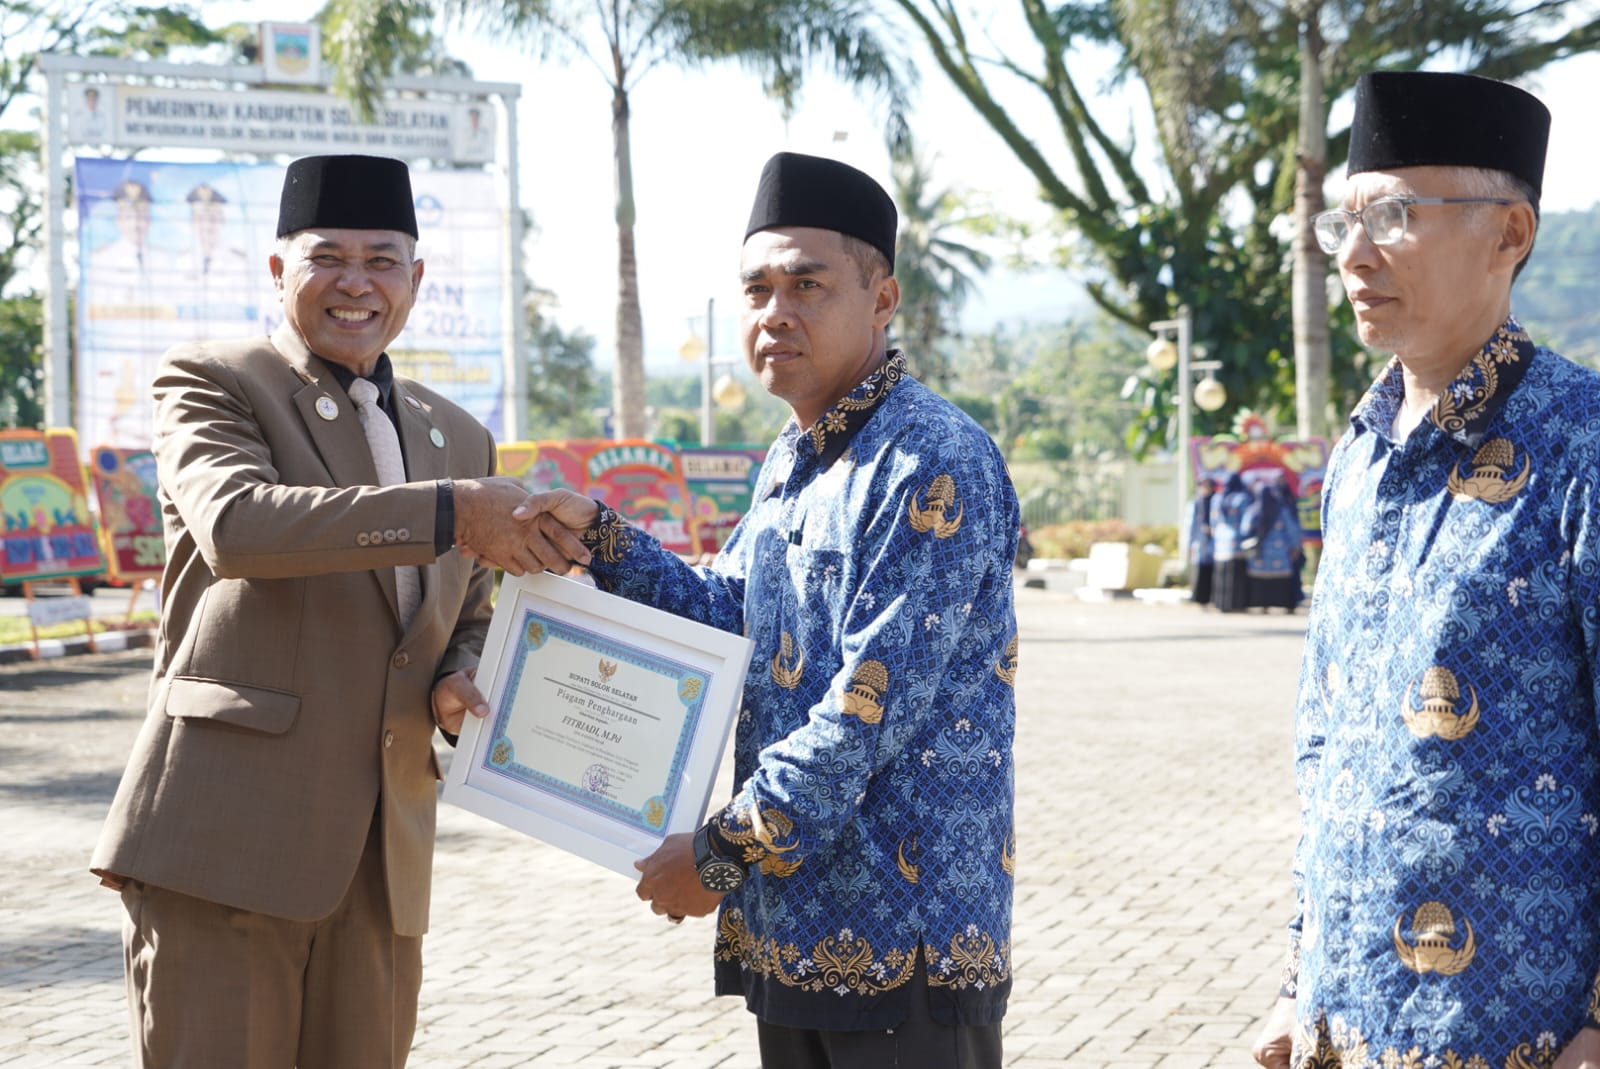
[(1162, 355), (725, 392)]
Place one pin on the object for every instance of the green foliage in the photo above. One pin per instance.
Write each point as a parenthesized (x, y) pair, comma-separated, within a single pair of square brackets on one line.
[(1222, 79), (138, 31), (562, 390), (1555, 296), (1050, 390), (932, 265), (21, 362), (368, 42)]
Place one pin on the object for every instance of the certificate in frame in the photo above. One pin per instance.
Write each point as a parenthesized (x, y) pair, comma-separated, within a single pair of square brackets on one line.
[(607, 720)]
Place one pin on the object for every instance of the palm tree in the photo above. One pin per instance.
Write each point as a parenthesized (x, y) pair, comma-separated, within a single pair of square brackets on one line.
[(931, 266), (624, 40)]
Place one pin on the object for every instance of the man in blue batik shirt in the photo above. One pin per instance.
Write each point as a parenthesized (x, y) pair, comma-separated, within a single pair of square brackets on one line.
[(864, 866), (1448, 763)]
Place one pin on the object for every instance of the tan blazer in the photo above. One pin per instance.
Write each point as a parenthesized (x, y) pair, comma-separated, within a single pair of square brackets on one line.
[(286, 705)]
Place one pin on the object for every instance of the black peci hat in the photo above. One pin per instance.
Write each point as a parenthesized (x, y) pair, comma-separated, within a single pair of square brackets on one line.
[(797, 190), (1427, 118), (354, 192)]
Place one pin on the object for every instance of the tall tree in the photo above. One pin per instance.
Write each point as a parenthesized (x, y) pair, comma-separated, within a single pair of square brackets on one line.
[(934, 267), (1223, 81), (623, 40)]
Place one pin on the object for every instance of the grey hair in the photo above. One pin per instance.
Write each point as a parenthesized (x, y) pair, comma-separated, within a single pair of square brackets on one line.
[(1484, 182), (869, 259)]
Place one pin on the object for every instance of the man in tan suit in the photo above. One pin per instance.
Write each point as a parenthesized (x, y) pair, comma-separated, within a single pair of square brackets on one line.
[(273, 834)]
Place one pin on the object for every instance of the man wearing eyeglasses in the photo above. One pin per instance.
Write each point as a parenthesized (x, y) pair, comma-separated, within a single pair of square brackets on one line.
[(1447, 760)]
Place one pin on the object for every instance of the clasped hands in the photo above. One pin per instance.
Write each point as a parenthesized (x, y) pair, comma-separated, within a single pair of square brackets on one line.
[(501, 524)]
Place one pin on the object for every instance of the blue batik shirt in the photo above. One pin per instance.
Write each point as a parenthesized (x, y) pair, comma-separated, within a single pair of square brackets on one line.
[(1448, 763), (873, 762)]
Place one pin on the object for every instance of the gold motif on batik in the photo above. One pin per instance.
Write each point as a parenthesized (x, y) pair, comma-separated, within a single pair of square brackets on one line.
[(1008, 855), (1540, 1055), (1438, 717), (1491, 480), (941, 497), (1435, 928), (867, 688), (1464, 401), (838, 962), (610, 538), (762, 837), (1340, 1046), (788, 664), (1006, 667), (910, 871), (871, 391), (973, 960)]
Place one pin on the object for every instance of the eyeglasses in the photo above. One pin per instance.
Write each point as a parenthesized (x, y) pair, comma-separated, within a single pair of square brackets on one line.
[(1384, 219)]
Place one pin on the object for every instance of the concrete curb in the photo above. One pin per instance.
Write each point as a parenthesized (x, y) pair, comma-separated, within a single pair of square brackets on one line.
[(105, 642)]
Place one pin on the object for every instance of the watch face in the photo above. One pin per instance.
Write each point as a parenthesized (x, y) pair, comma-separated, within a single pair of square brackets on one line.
[(721, 876)]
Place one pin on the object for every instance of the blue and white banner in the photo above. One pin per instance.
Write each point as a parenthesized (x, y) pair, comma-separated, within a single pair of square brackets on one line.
[(175, 252)]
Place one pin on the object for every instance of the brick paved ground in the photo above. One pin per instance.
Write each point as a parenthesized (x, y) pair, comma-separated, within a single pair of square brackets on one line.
[(1156, 819)]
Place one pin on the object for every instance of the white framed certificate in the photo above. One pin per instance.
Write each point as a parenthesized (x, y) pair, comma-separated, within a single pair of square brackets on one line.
[(607, 720)]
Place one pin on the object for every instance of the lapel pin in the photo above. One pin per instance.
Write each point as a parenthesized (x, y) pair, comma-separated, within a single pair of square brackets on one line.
[(327, 408), (436, 436)]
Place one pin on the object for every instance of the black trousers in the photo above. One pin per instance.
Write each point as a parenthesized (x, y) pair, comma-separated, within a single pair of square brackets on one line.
[(919, 1043)]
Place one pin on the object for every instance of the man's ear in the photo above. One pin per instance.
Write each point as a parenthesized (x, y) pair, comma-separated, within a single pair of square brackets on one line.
[(416, 278), (1517, 233), (275, 265), (885, 301)]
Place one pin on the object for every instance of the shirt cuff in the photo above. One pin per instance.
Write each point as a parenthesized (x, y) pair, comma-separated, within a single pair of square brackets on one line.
[(444, 517), (609, 538)]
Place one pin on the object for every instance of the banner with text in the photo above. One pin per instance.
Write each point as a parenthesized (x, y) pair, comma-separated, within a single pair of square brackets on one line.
[(177, 252), (130, 512), (276, 120), (48, 532)]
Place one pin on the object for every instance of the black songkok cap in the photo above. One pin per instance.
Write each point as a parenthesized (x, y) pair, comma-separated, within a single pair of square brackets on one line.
[(1425, 118), (353, 192), (798, 190)]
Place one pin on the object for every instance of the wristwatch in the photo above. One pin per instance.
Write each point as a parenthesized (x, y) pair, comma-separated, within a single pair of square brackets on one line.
[(717, 874)]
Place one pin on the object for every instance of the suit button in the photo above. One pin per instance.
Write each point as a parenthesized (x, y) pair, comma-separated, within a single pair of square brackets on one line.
[(363, 539), (404, 534), (388, 739), (376, 537), (389, 536), (402, 659)]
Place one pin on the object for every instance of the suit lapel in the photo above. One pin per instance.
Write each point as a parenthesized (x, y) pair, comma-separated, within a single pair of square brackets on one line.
[(335, 431)]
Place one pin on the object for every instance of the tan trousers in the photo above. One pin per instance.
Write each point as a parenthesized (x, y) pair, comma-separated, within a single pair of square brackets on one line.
[(211, 987)]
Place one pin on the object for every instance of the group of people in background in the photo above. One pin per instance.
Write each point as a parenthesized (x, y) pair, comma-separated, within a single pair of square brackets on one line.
[(1245, 544)]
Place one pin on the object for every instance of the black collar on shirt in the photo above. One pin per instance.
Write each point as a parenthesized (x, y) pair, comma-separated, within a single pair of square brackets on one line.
[(831, 434), (1472, 400)]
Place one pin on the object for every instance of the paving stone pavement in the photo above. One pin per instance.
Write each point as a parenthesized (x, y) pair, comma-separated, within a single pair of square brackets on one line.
[(1156, 818)]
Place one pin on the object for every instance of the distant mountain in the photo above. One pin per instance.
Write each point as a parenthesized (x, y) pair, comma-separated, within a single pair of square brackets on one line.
[(1557, 298)]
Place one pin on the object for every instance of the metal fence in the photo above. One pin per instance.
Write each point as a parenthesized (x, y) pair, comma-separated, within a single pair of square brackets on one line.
[(1061, 491)]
